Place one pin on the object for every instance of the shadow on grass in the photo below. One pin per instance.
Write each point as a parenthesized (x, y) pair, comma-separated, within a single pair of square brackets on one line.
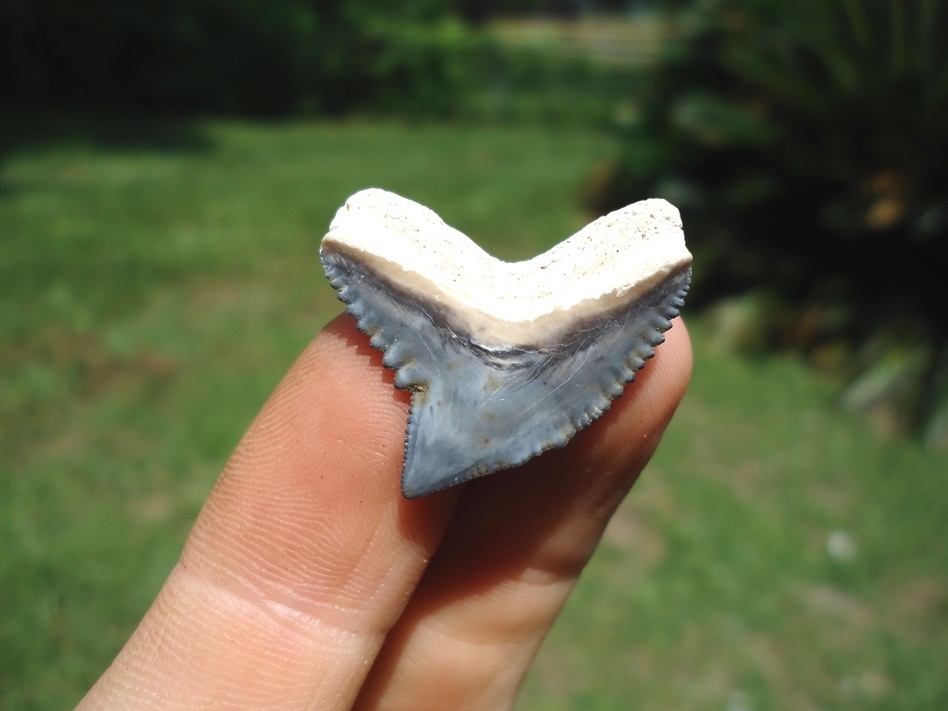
[(27, 131)]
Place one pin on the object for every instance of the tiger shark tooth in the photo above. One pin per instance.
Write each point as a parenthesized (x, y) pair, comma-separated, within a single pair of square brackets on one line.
[(503, 360)]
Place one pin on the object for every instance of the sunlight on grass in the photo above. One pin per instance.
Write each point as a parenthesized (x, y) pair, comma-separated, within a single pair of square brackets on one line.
[(776, 554), (609, 40)]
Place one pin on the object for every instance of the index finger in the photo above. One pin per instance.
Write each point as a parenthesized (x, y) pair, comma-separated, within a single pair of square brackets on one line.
[(303, 556)]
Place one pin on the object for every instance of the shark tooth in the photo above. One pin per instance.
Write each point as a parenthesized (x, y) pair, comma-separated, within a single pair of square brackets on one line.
[(503, 360)]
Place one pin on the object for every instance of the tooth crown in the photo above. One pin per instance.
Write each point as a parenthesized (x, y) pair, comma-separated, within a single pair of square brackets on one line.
[(504, 361)]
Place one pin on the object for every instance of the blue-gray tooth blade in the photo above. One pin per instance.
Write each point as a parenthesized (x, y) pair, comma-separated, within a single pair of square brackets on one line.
[(476, 409)]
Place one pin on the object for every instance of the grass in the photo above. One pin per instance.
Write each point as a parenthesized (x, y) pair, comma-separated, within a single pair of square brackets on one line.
[(158, 277), (774, 555)]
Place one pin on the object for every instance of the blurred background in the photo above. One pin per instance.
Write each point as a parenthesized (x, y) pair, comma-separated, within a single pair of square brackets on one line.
[(167, 169)]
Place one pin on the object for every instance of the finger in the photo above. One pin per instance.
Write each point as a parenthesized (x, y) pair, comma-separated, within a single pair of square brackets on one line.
[(513, 551), (303, 557)]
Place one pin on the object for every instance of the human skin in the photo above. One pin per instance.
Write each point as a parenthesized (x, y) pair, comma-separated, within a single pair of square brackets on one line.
[(309, 582)]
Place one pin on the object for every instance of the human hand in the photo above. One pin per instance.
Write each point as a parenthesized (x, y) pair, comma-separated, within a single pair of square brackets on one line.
[(309, 582)]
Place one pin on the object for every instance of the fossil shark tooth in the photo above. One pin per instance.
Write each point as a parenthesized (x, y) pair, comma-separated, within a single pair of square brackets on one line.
[(503, 360)]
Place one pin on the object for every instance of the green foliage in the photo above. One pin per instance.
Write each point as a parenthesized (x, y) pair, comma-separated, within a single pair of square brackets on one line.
[(237, 56), (425, 70), (805, 142), (288, 57)]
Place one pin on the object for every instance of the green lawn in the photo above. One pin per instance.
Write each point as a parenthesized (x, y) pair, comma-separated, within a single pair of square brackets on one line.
[(156, 280)]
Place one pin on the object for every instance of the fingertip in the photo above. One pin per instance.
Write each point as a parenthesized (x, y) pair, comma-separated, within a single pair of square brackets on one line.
[(649, 402), (665, 380)]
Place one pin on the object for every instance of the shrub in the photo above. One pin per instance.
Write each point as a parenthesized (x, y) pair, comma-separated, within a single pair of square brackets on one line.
[(238, 56), (805, 143)]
